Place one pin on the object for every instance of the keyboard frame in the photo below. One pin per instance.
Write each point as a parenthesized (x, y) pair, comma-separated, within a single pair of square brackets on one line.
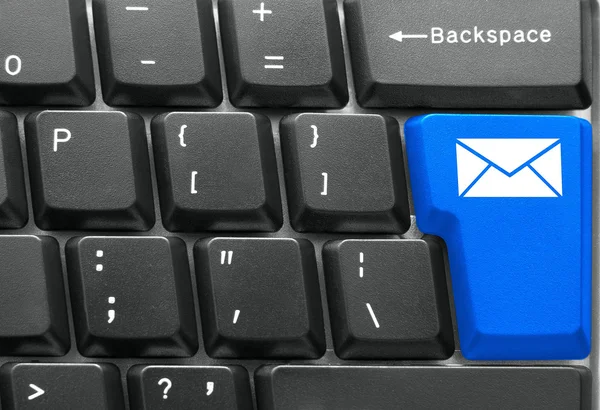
[(275, 115)]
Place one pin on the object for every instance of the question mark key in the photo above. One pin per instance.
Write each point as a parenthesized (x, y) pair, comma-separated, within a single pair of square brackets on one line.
[(182, 387)]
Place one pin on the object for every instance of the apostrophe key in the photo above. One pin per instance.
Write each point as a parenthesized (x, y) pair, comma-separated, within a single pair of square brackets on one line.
[(131, 296), (283, 53), (45, 56), (216, 171), (89, 170), (259, 298), (161, 52)]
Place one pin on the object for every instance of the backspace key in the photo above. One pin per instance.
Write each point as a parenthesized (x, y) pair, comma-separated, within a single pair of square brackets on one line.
[(471, 54)]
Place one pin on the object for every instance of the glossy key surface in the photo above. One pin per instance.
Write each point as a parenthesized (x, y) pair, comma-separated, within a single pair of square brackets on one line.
[(511, 197)]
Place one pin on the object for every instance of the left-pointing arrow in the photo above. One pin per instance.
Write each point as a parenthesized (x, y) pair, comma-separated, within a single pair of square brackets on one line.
[(38, 392), (399, 36)]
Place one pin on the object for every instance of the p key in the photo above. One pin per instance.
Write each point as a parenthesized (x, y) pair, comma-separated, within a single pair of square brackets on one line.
[(89, 170)]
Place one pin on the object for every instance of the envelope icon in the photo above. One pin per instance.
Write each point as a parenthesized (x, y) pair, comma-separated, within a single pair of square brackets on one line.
[(509, 167)]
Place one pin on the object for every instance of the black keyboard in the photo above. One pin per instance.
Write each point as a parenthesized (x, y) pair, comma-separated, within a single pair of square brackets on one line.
[(298, 204)]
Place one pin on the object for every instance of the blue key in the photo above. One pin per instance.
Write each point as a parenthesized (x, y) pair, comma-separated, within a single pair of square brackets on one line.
[(512, 197)]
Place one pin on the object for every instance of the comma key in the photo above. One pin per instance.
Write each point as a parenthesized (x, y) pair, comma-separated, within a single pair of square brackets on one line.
[(189, 387)]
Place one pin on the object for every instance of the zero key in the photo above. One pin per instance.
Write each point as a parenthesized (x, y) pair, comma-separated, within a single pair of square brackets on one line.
[(512, 197), (471, 54), (45, 56)]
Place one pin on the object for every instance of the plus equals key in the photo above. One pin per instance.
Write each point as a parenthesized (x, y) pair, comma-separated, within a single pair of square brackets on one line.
[(313, 74)]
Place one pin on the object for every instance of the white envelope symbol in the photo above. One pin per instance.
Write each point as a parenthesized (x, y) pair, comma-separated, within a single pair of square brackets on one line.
[(509, 167)]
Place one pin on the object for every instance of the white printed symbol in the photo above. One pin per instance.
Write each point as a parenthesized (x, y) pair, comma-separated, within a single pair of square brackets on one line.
[(148, 62), (315, 136), (167, 388), (193, 188), (99, 266), (13, 65), (361, 258), (210, 388), (373, 315), (325, 178), (274, 66), (182, 135), (133, 8), (228, 254), (38, 392), (262, 11), (509, 167), (57, 139), (111, 312), (236, 315), (399, 36)]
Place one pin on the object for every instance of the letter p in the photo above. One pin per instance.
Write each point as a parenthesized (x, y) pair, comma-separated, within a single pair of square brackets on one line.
[(57, 139)]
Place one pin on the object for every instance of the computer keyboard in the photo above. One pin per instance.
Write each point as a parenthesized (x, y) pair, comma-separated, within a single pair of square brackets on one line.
[(299, 204)]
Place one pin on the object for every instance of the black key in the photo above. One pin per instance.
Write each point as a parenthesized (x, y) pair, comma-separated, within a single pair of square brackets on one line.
[(423, 388), (259, 298), (45, 56), (13, 203), (472, 54), (89, 170), (32, 298), (283, 53), (131, 296), (161, 52), (189, 388), (33, 386), (217, 171), (388, 299), (344, 173)]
